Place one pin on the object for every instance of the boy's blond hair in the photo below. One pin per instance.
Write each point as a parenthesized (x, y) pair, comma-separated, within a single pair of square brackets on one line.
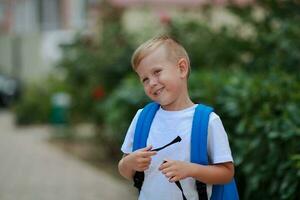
[(173, 48)]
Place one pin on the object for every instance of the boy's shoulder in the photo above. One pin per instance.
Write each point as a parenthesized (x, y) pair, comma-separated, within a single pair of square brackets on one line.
[(213, 116)]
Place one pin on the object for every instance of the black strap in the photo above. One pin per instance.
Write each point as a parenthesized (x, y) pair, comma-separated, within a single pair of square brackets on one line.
[(138, 180), (177, 139), (139, 177), (201, 189), (180, 187)]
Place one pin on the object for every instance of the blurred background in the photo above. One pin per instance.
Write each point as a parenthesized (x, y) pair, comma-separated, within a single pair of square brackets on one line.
[(65, 74)]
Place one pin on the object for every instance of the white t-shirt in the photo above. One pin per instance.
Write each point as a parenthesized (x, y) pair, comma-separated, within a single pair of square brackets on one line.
[(166, 126)]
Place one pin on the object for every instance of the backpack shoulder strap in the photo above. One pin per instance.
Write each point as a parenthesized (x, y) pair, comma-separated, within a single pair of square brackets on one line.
[(199, 134), (199, 143), (141, 133), (143, 125), (199, 155)]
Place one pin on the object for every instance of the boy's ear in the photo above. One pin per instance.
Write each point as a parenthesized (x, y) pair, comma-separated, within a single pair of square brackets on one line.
[(183, 67)]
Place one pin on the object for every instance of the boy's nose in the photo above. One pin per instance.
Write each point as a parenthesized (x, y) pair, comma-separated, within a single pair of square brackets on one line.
[(152, 82)]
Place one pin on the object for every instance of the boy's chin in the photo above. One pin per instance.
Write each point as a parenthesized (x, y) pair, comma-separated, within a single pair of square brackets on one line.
[(164, 105)]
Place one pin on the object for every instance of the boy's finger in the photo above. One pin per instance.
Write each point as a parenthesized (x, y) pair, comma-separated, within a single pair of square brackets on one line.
[(147, 148), (161, 167), (164, 165), (166, 161), (173, 179), (146, 160), (148, 153)]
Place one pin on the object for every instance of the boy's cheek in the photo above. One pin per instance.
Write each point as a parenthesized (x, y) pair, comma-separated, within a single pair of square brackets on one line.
[(147, 92)]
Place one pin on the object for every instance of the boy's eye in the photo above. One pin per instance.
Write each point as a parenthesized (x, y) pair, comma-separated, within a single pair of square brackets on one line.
[(145, 80), (157, 71)]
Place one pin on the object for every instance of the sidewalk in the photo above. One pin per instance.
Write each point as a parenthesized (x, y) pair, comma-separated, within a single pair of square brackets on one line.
[(32, 169)]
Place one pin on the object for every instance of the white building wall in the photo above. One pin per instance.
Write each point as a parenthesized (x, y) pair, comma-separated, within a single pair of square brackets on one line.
[(5, 55), (38, 27), (77, 14), (25, 17)]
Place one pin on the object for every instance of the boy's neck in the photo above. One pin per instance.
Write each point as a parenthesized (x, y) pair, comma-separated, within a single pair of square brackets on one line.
[(179, 106)]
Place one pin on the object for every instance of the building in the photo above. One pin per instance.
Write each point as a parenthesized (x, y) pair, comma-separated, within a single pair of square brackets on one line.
[(31, 31)]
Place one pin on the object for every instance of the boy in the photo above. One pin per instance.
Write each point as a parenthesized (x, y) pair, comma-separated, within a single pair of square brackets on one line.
[(163, 67)]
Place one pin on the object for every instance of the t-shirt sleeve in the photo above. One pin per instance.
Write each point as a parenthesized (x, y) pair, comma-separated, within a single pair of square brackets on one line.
[(128, 141), (217, 141)]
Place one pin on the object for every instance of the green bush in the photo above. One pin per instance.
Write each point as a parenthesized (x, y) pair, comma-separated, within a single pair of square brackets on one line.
[(275, 39), (272, 41), (261, 114), (119, 109), (208, 48), (93, 64), (89, 68), (33, 107)]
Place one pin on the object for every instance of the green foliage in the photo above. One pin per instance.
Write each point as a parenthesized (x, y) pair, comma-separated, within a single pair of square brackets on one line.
[(268, 110), (209, 48), (261, 115), (120, 108), (272, 41), (275, 42), (89, 66), (33, 107)]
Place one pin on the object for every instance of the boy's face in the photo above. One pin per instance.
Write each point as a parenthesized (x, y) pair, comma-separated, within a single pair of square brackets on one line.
[(164, 81)]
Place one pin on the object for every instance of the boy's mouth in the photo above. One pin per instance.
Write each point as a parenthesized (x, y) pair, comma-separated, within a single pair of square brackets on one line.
[(157, 92)]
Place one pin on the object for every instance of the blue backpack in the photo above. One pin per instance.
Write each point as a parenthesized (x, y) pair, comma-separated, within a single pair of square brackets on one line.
[(198, 150)]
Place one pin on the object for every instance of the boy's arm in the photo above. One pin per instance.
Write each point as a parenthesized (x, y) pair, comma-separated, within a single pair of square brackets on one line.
[(135, 161), (210, 174), (125, 170)]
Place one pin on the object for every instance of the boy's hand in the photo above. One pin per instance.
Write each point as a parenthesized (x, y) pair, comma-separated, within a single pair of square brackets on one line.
[(140, 160), (174, 170)]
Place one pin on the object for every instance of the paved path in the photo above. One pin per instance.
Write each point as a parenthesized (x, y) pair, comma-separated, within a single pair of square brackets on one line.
[(32, 169)]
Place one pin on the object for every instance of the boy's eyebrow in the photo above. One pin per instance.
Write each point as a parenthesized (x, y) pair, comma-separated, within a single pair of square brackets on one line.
[(154, 68)]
